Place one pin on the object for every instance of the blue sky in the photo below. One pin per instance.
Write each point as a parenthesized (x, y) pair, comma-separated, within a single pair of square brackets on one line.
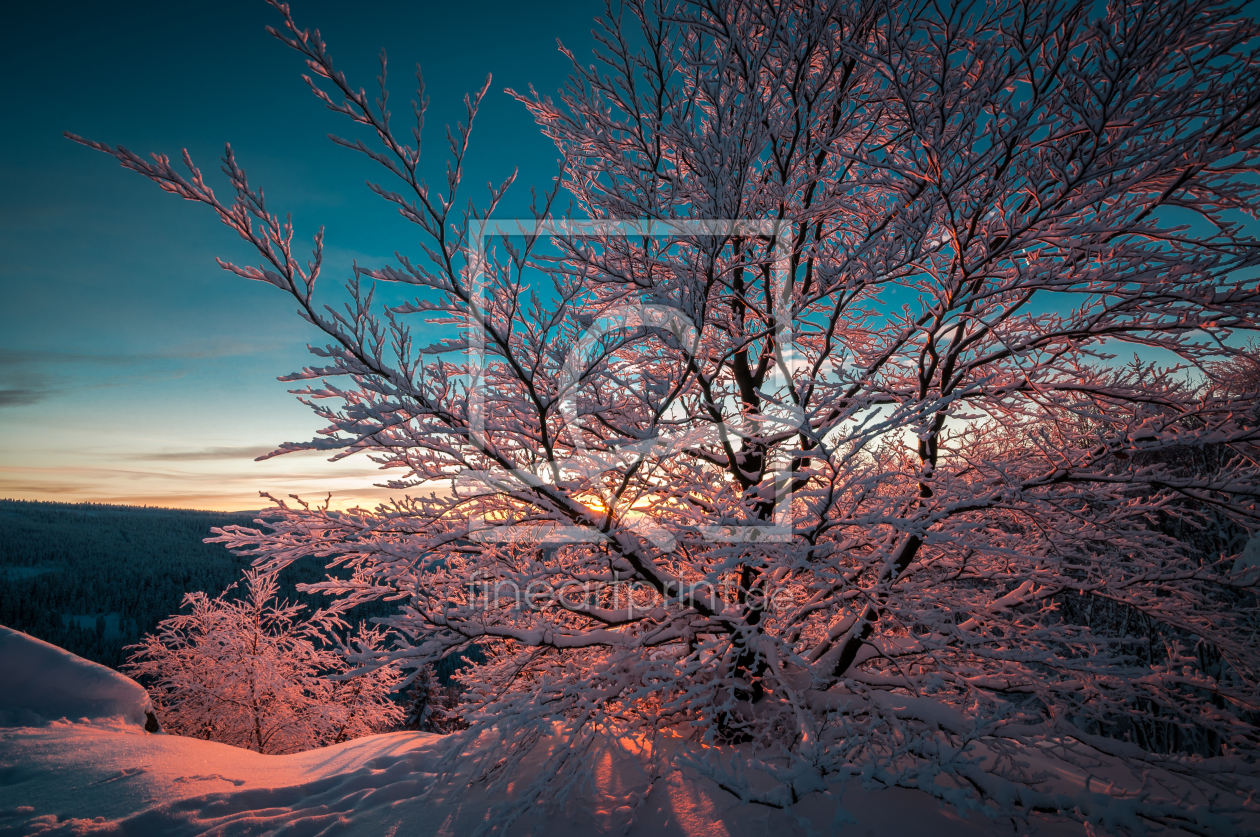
[(133, 369)]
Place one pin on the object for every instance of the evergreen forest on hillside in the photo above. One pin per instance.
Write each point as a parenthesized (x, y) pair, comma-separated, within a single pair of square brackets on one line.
[(95, 578)]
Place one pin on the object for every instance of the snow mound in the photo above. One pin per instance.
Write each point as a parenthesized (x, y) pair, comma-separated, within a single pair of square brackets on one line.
[(112, 780), (44, 683), (128, 784)]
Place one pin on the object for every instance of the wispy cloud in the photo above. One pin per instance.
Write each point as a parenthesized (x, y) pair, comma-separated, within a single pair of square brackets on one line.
[(190, 488), (17, 358), (27, 357), (25, 395), (21, 397), (30, 376), (222, 452)]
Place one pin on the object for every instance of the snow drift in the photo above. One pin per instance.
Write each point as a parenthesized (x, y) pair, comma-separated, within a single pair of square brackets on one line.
[(45, 683), (85, 766), (75, 760), (129, 783)]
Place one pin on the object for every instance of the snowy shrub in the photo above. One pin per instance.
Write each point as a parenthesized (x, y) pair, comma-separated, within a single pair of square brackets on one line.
[(253, 673), (808, 440)]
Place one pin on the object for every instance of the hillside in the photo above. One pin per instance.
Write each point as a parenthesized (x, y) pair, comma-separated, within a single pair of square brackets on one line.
[(94, 578)]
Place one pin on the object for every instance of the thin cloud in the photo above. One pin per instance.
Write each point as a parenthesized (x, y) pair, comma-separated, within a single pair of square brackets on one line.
[(210, 453), (10, 489), (15, 358), (29, 376), (21, 397), (25, 396), (252, 475), (26, 357)]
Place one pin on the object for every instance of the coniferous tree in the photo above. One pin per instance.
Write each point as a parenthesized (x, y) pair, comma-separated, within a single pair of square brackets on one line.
[(431, 705)]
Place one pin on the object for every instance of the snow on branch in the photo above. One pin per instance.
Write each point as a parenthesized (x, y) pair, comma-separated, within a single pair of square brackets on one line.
[(879, 496)]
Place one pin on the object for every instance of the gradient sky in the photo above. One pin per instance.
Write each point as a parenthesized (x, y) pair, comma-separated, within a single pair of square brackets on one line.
[(134, 370)]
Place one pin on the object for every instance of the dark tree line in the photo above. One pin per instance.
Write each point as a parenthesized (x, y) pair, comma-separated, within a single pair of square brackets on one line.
[(61, 560)]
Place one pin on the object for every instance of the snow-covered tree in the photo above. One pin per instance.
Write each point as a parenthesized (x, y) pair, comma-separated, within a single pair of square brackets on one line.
[(818, 450), (431, 704), (1238, 376), (252, 672)]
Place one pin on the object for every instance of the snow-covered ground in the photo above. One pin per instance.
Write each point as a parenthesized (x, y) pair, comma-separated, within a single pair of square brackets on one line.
[(82, 763), (75, 759), (44, 683), (101, 778)]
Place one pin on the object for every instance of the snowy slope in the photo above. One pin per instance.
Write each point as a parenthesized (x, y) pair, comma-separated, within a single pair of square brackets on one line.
[(102, 774), (83, 764), (44, 683), (86, 779)]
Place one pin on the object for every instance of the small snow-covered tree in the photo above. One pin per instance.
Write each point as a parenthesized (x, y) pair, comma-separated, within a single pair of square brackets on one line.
[(252, 672), (844, 477), (361, 703), (431, 705)]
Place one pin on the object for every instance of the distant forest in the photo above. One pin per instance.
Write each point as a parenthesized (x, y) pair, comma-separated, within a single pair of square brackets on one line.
[(95, 578)]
